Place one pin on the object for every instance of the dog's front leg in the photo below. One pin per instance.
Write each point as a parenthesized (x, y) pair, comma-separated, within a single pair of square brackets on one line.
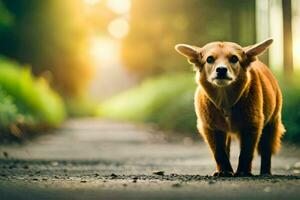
[(248, 142), (217, 142)]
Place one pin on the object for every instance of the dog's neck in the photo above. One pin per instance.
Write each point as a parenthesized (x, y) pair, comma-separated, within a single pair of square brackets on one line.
[(224, 98)]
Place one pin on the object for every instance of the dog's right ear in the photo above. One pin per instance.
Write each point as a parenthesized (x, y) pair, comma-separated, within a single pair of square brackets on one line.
[(192, 53), (258, 49)]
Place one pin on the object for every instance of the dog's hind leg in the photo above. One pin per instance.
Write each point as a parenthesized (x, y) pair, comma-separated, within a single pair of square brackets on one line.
[(248, 143), (269, 144)]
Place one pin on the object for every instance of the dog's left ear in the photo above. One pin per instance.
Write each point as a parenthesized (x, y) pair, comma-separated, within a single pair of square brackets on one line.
[(258, 49), (192, 53)]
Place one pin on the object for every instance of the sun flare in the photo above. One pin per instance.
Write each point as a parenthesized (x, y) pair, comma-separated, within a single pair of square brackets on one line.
[(104, 50), (119, 6)]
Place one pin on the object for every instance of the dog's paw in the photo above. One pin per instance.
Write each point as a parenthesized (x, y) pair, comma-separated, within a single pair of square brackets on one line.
[(223, 174), (242, 174)]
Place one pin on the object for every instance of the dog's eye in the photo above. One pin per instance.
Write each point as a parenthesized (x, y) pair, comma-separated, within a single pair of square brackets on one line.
[(210, 59), (233, 59)]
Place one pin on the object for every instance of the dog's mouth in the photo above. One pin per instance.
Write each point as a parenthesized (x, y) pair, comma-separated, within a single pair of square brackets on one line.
[(222, 78)]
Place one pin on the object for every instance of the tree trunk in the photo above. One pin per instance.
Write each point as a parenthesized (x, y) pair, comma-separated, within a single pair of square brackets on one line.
[(287, 36)]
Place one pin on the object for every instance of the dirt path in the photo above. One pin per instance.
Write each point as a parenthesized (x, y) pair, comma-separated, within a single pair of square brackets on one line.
[(94, 159)]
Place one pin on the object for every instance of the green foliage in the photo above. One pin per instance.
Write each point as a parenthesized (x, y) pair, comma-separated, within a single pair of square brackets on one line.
[(8, 110), (27, 100), (291, 108), (6, 18), (166, 101)]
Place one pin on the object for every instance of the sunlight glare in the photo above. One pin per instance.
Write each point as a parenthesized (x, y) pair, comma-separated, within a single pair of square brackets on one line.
[(119, 6), (276, 32), (296, 33), (118, 28), (104, 50), (91, 2), (296, 52)]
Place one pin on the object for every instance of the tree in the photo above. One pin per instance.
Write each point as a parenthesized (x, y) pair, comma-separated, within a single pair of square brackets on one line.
[(52, 37), (287, 36)]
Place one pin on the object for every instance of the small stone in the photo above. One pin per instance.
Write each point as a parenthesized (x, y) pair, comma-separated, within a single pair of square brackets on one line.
[(160, 173), (135, 179), (96, 174), (211, 182), (83, 181), (124, 185), (35, 179), (54, 163), (12, 166), (113, 175), (5, 154), (25, 167), (176, 185)]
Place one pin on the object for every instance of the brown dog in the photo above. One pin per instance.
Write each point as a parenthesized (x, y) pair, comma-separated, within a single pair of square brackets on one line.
[(237, 94)]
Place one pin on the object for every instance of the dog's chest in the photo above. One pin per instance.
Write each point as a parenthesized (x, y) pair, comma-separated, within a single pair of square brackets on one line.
[(225, 121)]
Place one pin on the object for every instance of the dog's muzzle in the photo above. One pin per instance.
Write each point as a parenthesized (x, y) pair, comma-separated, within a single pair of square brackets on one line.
[(221, 73)]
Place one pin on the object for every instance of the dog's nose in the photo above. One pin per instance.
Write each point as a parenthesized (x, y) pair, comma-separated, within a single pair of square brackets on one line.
[(221, 71)]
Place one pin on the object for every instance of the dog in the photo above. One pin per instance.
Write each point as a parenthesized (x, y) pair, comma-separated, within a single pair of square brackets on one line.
[(236, 95)]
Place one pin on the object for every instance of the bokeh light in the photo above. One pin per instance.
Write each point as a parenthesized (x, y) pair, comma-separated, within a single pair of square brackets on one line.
[(118, 28), (119, 6), (103, 50)]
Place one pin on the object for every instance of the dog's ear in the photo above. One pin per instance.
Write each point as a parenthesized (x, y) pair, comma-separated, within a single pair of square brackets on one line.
[(192, 53), (258, 49)]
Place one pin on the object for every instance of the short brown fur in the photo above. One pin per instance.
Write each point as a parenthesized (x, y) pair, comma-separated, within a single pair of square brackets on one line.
[(246, 102)]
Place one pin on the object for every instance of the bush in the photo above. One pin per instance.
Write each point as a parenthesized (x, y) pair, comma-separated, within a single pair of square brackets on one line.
[(25, 100), (8, 110), (291, 110), (168, 102)]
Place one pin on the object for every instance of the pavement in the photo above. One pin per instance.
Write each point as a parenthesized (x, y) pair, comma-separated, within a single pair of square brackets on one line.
[(99, 159)]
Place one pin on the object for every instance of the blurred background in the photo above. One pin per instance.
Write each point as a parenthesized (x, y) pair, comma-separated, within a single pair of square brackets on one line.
[(115, 59)]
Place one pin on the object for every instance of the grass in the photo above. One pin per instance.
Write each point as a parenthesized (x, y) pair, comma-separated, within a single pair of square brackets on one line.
[(167, 101), (26, 101)]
